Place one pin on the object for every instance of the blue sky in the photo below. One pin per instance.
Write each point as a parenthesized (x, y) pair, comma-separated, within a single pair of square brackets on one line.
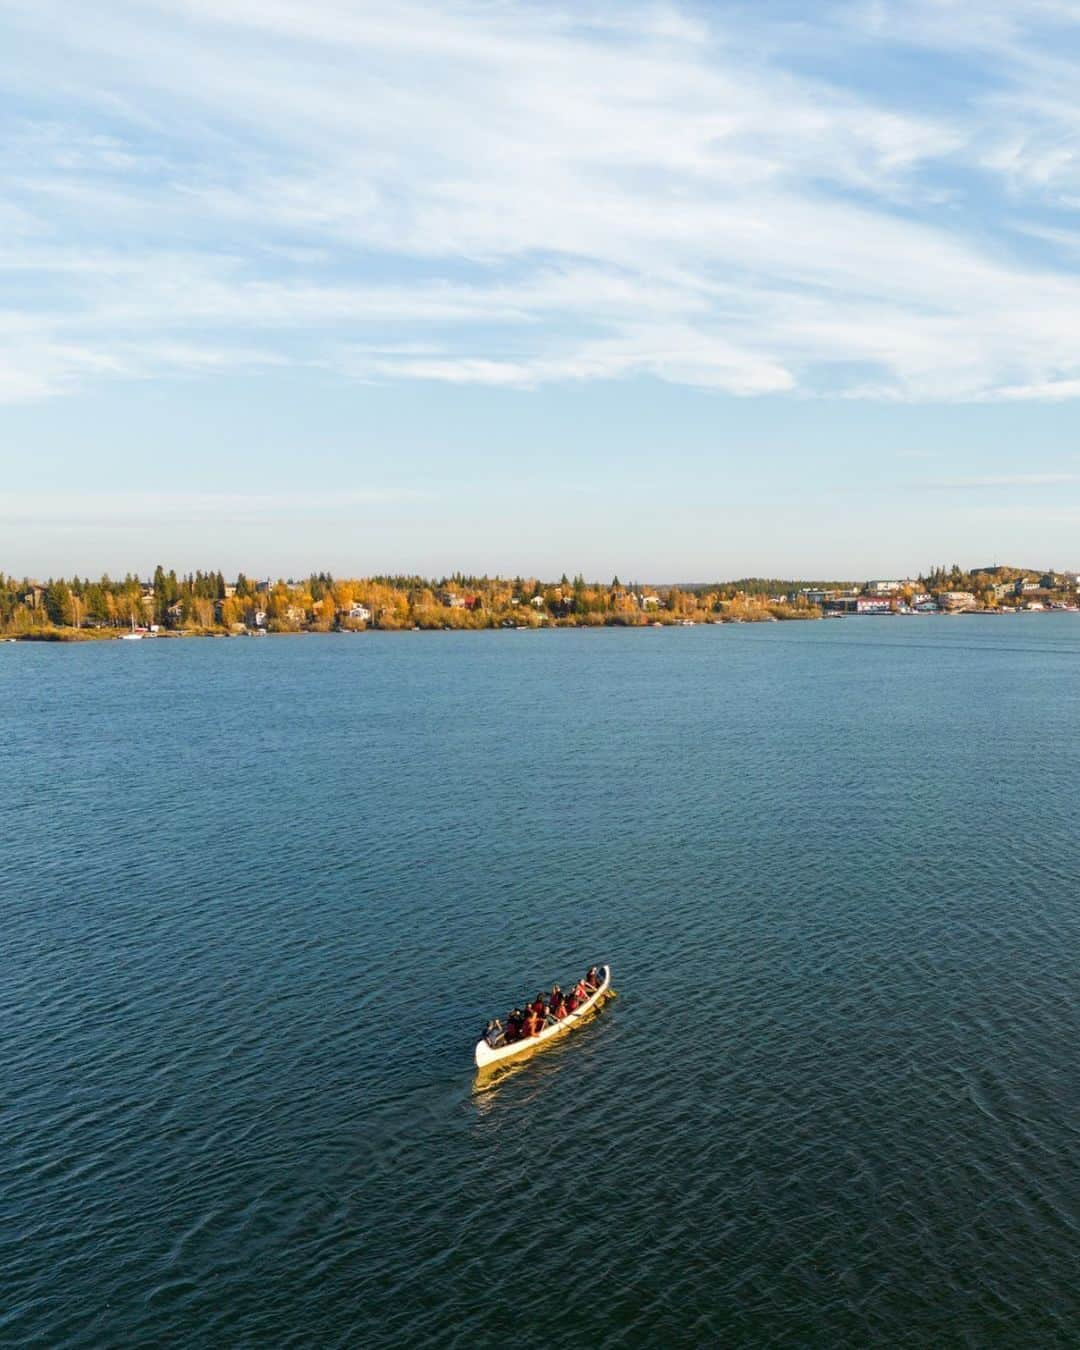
[(677, 291)]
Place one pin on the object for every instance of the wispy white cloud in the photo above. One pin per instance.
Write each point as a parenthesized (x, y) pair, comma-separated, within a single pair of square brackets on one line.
[(136, 509), (1053, 390), (1000, 480), (535, 194)]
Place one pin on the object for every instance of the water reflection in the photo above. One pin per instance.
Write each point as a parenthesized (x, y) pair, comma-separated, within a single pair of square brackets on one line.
[(543, 1067)]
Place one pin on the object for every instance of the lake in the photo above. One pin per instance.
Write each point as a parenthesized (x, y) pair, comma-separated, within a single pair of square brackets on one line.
[(258, 899)]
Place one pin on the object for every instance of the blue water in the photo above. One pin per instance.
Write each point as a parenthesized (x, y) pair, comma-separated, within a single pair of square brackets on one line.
[(256, 899)]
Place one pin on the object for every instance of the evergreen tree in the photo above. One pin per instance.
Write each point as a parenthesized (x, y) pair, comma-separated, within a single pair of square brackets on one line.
[(96, 604), (58, 603), (161, 602)]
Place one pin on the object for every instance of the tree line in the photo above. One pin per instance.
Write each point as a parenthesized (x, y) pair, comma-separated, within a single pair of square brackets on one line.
[(208, 602)]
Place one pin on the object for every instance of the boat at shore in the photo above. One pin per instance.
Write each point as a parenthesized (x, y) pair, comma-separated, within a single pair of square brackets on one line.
[(488, 1056)]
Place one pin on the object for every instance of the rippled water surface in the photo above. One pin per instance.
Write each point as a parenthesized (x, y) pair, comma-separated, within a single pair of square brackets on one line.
[(256, 899)]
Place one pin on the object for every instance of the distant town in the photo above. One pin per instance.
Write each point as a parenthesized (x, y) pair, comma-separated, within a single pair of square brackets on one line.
[(206, 604)]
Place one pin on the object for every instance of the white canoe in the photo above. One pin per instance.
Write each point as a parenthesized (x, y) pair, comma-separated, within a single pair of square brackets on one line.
[(486, 1056)]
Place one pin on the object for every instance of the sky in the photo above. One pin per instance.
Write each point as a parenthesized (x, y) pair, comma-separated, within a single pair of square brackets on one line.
[(674, 291)]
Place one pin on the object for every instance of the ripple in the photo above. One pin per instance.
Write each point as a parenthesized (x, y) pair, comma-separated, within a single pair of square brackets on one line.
[(247, 956)]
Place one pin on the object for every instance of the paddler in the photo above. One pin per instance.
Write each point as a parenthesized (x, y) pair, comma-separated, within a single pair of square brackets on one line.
[(513, 1025), (580, 992)]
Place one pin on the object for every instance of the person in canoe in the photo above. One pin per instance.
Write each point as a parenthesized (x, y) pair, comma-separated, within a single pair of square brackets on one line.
[(532, 1024), (514, 1021), (581, 992), (538, 1006), (493, 1033), (592, 980)]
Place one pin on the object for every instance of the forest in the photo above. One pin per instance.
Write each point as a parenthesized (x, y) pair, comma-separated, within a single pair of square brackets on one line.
[(78, 608), (205, 602)]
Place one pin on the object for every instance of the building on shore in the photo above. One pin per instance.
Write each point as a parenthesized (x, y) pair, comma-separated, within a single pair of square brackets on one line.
[(858, 604), (955, 600)]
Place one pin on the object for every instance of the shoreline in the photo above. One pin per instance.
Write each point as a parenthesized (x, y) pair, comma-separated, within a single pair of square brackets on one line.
[(64, 636)]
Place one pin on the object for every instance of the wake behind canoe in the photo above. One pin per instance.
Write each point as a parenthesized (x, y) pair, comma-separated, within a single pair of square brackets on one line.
[(497, 1050)]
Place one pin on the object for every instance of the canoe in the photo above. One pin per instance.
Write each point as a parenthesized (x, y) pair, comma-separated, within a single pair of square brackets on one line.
[(486, 1056)]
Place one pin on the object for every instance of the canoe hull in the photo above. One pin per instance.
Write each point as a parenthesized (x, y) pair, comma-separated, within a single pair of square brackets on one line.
[(487, 1058)]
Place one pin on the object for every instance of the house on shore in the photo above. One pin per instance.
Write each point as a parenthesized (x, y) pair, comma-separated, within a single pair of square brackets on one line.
[(955, 600), (858, 604)]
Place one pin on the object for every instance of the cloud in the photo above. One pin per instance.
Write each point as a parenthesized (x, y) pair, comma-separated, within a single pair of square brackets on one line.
[(135, 509), (1001, 480), (534, 194), (1043, 391)]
